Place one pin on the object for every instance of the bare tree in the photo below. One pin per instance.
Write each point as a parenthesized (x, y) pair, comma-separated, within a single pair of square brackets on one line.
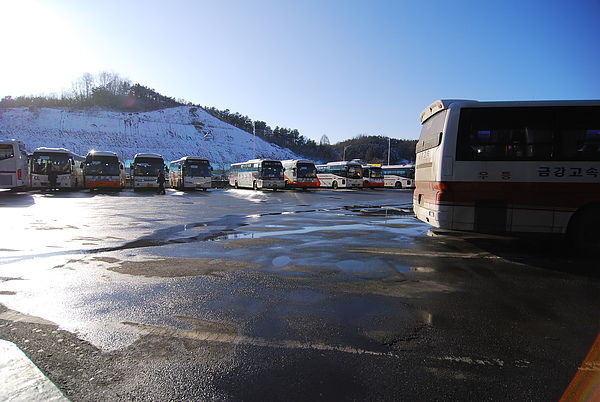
[(324, 140)]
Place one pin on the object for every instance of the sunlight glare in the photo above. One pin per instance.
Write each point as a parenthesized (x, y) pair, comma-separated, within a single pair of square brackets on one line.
[(41, 51)]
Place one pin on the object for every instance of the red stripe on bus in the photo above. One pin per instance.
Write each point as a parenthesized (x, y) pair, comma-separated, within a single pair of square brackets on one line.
[(565, 195), (8, 171)]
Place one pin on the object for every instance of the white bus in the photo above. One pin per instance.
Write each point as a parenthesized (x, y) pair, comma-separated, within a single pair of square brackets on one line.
[(103, 170), (59, 161), (191, 172), (343, 174), (372, 176), (256, 174), (511, 167), (399, 176), (299, 173), (13, 165), (145, 169)]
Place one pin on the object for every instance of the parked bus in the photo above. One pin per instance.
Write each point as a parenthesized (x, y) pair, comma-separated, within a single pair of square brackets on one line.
[(103, 170), (257, 174), (399, 176), (511, 167), (191, 172), (60, 161), (299, 173), (145, 169), (13, 165), (343, 174), (372, 176)]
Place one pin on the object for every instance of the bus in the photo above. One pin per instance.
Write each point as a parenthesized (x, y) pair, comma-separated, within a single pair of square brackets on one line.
[(64, 163), (300, 173), (372, 176), (399, 176), (191, 172), (511, 167), (13, 165), (145, 169), (103, 170), (343, 174), (257, 174)]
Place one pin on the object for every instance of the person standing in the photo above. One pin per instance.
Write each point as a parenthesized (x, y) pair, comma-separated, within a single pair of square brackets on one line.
[(52, 178), (161, 182)]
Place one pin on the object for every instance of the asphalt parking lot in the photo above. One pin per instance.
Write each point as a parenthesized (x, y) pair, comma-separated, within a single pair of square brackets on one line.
[(243, 295)]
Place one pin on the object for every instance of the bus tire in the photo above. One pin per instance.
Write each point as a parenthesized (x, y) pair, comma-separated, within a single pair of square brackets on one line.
[(582, 232), (254, 186), (398, 185), (334, 185)]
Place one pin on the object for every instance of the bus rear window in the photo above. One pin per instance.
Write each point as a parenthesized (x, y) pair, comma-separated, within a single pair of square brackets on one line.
[(431, 132), (6, 151)]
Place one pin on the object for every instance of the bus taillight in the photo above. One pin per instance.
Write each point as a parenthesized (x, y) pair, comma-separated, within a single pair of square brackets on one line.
[(443, 191), (19, 174)]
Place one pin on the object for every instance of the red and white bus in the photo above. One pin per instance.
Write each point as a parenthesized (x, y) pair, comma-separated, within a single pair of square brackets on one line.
[(103, 170), (343, 174), (399, 176), (13, 165), (300, 173), (372, 176), (510, 167)]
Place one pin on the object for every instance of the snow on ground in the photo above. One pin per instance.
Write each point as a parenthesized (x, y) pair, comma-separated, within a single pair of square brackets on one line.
[(173, 133)]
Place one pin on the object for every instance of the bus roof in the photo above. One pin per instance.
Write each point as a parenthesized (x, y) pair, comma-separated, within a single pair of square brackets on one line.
[(101, 153), (10, 141), (256, 161), (398, 166), (290, 161), (189, 158), (148, 155), (444, 104), (342, 163), (52, 150)]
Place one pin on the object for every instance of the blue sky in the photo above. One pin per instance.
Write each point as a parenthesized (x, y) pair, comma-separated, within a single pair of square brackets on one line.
[(340, 68)]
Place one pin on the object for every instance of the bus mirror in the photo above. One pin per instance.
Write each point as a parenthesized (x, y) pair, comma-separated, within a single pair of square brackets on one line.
[(211, 169), (81, 165), (294, 170), (121, 166)]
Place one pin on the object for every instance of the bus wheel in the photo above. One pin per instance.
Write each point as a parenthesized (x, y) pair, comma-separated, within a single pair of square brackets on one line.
[(334, 185), (254, 186), (582, 232), (398, 185)]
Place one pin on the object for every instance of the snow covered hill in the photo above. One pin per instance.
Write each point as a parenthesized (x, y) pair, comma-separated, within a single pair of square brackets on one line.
[(173, 133)]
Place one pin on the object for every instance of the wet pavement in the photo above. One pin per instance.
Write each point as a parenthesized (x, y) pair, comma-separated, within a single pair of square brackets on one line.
[(243, 295)]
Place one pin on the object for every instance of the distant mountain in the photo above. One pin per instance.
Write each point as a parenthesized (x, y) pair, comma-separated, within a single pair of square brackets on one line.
[(172, 132), (374, 149)]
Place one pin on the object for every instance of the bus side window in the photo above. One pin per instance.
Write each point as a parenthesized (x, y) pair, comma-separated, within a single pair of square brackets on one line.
[(580, 134)]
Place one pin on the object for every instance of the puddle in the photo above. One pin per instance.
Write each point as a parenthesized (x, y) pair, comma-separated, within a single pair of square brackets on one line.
[(281, 261)]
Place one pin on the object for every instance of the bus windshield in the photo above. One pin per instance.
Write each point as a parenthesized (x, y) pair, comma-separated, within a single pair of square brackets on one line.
[(6, 151), (376, 172), (45, 162), (197, 169), (354, 172), (148, 166), (102, 165), (307, 170), (271, 170)]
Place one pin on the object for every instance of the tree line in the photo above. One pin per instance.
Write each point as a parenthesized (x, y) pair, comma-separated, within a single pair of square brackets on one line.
[(109, 90)]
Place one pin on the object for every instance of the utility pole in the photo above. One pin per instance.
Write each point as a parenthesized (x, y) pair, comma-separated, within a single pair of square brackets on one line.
[(389, 148), (254, 133), (347, 146)]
